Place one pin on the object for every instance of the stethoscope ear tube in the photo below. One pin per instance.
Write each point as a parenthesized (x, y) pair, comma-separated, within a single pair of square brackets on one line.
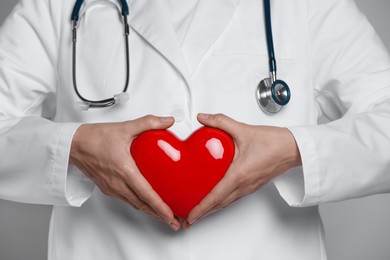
[(79, 3), (125, 7), (76, 10)]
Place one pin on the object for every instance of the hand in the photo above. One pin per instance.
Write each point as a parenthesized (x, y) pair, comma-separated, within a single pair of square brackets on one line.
[(261, 154), (102, 152)]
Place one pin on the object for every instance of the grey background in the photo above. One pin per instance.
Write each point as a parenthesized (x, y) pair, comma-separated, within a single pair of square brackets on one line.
[(356, 230)]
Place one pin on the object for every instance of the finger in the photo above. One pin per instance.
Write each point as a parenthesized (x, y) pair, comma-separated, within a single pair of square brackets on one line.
[(126, 194), (131, 198), (146, 194), (213, 200), (118, 189), (138, 205), (149, 211), (186, 225), (150, 122), (229, 200), (233, 197), (219, 121)]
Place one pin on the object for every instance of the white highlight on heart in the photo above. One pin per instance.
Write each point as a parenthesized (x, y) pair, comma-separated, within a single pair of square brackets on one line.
[(172, 153), (215, 148)]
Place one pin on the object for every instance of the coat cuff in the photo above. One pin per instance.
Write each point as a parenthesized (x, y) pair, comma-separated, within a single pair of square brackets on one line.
[(300, 186), (69, 186)]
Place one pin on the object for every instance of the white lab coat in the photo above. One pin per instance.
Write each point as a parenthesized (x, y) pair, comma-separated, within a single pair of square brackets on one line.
[(332, 59)]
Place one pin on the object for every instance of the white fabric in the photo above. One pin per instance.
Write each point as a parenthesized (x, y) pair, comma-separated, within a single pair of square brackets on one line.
[(180, 13), (326, 50)]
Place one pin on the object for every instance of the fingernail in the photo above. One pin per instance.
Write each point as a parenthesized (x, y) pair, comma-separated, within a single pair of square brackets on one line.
[(166, 119), (174, 226), (192, 221), (186, 225), (204, 116)]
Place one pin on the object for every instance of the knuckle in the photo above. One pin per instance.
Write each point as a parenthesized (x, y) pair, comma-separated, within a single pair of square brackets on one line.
[(134, 205), (219, 118), (248, 184), (115, 187), (218, 198), (251, 188), (126, 127), (170, 219), (125, 170), (242, 177), (111, 188), (122, 191), (243, 180), (105, 190), (150, 120), (145, 196), (143, 207), (111, 181)]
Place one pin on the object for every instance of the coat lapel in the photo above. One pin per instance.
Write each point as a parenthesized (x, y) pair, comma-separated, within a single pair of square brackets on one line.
[(209, 21), (148, 18)]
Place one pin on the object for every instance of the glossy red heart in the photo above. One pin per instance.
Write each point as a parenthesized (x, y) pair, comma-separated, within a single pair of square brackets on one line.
[(183, 172)]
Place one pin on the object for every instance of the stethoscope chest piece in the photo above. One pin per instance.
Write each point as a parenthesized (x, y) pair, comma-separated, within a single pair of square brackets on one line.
[(272, 95)]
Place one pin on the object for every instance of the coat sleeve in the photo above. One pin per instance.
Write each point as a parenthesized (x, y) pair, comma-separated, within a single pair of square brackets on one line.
[(34, 151), (349, 155)]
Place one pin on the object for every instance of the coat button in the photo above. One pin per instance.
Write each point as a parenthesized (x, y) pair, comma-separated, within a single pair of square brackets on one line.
[(178, 114)]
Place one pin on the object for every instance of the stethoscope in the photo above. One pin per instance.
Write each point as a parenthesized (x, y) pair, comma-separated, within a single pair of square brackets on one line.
[(272, 94)]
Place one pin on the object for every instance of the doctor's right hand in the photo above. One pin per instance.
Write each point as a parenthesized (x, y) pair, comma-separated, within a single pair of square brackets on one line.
[(102, 152)]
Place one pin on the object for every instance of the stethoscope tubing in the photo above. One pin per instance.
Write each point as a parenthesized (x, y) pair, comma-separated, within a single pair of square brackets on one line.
[(269, 36), (109, 101)]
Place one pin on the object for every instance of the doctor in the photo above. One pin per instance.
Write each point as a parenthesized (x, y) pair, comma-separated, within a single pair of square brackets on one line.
[(192, 63)]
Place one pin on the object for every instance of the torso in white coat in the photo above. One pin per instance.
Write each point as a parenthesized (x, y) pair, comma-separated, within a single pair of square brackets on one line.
[(215, 69), (212, 63)]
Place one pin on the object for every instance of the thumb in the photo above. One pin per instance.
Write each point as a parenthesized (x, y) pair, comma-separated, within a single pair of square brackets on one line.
[(150, 122), (219, 121)]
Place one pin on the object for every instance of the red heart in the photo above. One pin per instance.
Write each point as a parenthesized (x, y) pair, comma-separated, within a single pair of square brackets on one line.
[(183, 172)]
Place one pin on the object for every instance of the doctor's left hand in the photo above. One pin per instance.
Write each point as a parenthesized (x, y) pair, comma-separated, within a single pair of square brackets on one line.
[(261, 154), (102, 152)]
